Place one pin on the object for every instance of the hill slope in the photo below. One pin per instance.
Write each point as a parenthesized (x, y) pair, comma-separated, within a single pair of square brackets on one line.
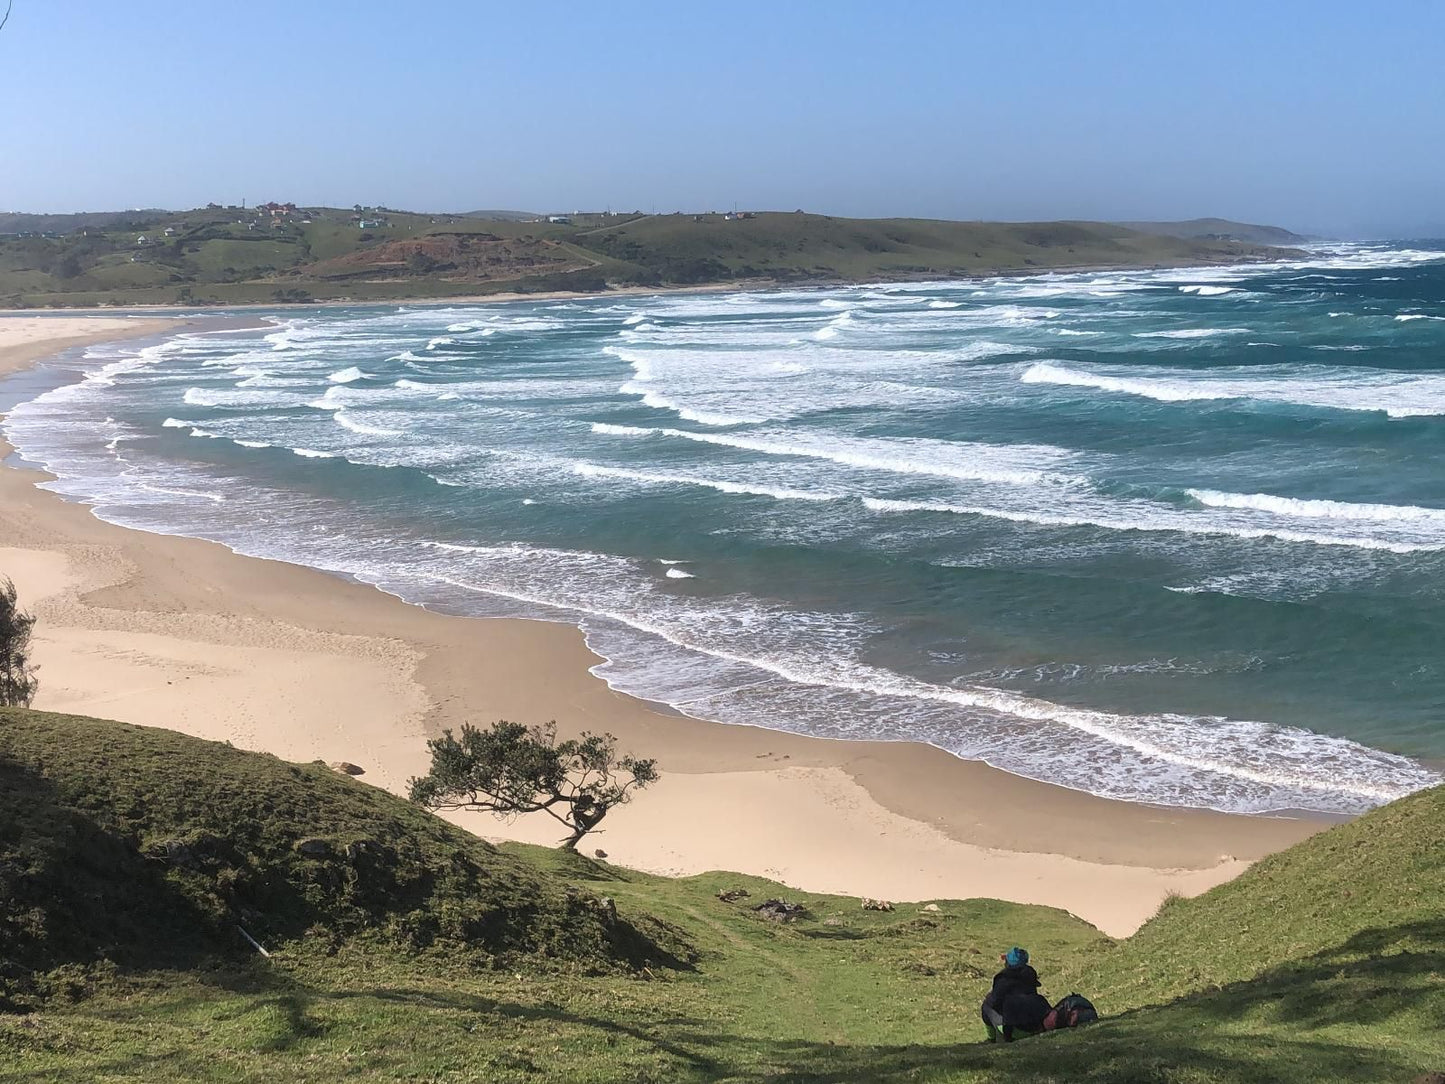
[(148, 849), (1322, 964), (1365, 890), (1221, 229)]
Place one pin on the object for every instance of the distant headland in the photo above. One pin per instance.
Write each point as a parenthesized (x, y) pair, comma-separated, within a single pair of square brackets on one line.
[(277, 253)]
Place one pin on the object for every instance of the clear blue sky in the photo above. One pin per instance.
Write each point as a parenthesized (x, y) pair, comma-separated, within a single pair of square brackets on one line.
[(1321, 115)]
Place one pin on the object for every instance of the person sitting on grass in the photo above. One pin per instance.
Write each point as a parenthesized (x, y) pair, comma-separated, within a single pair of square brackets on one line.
[(1014, 1004)]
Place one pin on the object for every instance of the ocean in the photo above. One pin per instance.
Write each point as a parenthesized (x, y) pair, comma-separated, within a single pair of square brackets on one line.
[(1167, 536)]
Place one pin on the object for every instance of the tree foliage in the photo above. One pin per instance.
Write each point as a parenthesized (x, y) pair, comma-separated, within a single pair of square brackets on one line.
[(510, 769), (17, 676)]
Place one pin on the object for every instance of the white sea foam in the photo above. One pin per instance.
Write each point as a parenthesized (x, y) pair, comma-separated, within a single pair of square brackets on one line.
[(1145, 518), (347, 421), (1407, 317), (1316, 509), (966, 461), (1192, 333), (1207, 291), (595, 470), (347, 375), (309, 453), (440, 340), (1398, 395), (678, 574)]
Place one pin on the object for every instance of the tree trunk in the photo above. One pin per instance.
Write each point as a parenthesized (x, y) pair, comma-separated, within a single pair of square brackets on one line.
[(583, 821)]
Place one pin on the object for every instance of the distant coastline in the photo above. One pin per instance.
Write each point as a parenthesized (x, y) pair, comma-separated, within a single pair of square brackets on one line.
[(281, 255), (502, 297)]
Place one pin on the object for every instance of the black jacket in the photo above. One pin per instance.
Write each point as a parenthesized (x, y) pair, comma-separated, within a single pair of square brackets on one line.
[(1013, 980), (1015, 997)]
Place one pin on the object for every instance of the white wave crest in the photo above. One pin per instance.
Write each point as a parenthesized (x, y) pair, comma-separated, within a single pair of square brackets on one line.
[(346, 421), (347, 375), (1316, 509), (1192, 333), (595, 470), (1008, 464), (1397, 395)]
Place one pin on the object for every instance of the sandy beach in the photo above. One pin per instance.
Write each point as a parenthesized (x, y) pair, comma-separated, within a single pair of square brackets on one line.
[(185, 634)]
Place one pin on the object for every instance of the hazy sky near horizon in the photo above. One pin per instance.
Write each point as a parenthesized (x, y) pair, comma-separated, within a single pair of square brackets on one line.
[(1324, 115)]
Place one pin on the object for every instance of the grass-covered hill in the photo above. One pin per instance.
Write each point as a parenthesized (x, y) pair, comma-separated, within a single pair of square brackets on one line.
[(219, 255), (1324, 963), (1222, 229), (144, 848)]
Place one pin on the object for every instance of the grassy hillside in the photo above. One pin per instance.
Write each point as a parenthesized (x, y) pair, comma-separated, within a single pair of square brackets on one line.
[(1221, 229), (218, 255), (1322, 964), (145, 848), (801, 246)]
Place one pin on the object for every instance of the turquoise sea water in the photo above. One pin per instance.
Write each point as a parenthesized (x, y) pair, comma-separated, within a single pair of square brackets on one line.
[(1169, 536)]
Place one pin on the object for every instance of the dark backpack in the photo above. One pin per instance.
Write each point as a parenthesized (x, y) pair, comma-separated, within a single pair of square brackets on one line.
[(1070, 1012)]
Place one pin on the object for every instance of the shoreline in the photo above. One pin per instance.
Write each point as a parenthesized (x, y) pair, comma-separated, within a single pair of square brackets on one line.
[(174, 631), (733, 286)]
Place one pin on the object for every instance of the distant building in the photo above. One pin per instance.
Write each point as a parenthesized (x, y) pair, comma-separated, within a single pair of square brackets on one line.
[(277, 210), (170, 231), (560, 220)]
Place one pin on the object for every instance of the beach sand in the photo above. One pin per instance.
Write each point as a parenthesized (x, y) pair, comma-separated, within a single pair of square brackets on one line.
[(184, 634)]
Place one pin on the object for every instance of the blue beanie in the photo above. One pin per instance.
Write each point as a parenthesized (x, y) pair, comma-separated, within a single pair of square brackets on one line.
[(1016, 957)]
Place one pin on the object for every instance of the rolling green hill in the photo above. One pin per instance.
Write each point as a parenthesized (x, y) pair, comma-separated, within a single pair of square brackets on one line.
[(219, 256), (1222, 229), (454, 962)]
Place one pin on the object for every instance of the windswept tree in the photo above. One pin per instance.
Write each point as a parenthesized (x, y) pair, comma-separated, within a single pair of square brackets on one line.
[(17, 675), (510, 769)]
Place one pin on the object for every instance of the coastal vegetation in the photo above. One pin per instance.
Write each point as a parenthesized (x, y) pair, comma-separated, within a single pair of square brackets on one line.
[(138, 865), (18, 682), (510, 769), (283, 254)]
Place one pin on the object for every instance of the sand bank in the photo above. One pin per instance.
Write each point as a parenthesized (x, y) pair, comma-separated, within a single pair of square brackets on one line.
[(185, 634)]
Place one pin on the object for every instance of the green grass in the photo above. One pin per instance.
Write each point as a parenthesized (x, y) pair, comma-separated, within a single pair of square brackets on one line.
[(1278, 976)]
